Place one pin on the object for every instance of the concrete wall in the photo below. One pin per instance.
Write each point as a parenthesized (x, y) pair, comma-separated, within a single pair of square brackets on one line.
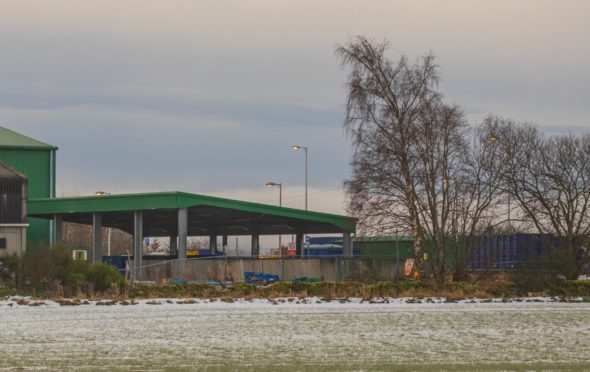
[(329, 269), (16, 240)]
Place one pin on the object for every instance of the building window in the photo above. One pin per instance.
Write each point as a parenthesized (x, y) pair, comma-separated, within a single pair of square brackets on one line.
[(2, 243)]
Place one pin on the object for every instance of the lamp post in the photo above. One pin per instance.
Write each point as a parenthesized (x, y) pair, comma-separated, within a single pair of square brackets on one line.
[(101, 193), (280, 185), (297, 147)]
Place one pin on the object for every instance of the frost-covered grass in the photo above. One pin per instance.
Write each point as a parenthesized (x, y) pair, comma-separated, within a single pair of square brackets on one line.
[(309, 335)]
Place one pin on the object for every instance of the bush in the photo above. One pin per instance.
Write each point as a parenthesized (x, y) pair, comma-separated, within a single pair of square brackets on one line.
[(383, 289), (5, 292), (579, 288), (279, 289), (462, 287), (196, 290), (76, 273), (42, 267), (51, 271), (103, 276), (241, 289)]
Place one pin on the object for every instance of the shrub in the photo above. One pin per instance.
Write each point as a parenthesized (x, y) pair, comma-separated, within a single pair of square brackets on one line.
[(579, 288), (41, 268), (383, 289), (103, 276), (461, 287), (242, 290), (279, 289), (350, 289), (5, 292), (76, 273)]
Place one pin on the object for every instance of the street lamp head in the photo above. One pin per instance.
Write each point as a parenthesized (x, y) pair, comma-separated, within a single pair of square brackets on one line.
[(295, 147), (271, 184)]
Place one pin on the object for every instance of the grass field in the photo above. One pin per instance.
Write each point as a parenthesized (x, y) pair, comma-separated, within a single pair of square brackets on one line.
[(288, 336)]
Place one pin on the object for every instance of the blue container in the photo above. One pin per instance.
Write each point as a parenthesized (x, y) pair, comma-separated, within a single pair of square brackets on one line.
[(117, 261), (328, 252), (509, 251), (259, 278)]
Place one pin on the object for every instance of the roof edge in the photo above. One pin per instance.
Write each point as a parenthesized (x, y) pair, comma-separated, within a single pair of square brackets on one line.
[(38, 146)]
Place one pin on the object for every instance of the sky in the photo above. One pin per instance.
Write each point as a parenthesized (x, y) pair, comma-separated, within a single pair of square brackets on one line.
[(208, 96)]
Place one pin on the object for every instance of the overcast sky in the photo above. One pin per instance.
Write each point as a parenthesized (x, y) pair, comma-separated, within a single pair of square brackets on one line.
[(208, 96)]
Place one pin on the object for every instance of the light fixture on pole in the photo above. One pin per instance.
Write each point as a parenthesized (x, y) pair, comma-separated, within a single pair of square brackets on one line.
[(102, 193), (297, 147), (280, 185)]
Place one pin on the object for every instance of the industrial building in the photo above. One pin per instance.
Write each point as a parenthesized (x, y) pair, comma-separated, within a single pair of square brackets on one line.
[(175, 215), (13, 211), (35, 160)]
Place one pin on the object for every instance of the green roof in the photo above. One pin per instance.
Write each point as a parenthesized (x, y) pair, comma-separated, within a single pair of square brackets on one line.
[(13, 140), (46, 208)]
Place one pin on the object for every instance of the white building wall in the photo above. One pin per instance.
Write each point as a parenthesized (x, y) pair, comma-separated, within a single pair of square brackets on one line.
[(16, 239)]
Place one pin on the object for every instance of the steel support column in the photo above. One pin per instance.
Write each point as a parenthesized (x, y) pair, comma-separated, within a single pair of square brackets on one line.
[(182, 232), (255, 245), (96, 237), (299, 244), (224, 243), (213, 244), (346, 245), (57, 229), (138, 243), (173, 245)]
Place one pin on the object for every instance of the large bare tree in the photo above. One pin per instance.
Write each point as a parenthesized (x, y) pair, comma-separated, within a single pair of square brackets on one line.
[(414, 168), (385, 101)]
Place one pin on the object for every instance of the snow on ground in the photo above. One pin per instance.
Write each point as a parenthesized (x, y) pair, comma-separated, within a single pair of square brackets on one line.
[(296, 335)]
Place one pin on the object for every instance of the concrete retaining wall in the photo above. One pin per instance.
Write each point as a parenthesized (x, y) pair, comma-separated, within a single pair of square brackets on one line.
[(228, 268)]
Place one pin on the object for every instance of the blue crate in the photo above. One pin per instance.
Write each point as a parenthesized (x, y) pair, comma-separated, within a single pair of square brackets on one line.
[(260, 278)]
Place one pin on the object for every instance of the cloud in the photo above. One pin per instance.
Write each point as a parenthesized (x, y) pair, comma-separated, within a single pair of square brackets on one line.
[(210, 95)]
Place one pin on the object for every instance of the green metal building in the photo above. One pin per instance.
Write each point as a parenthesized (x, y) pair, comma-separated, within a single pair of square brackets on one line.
[(36, 160), (387, 247)]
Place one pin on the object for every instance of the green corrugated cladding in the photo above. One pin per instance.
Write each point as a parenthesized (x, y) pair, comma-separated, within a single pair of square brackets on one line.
[(36, 160), (384, 247)]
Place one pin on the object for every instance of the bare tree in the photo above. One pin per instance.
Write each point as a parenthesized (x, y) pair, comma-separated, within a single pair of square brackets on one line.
[(474, 195), (385, 101), (549, 179), (414, 168)]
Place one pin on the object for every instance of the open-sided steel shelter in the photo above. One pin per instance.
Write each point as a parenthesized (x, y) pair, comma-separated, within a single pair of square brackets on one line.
[(179, 215)]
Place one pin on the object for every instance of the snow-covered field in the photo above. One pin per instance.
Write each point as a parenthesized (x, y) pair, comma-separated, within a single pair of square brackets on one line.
[(315, 335)]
